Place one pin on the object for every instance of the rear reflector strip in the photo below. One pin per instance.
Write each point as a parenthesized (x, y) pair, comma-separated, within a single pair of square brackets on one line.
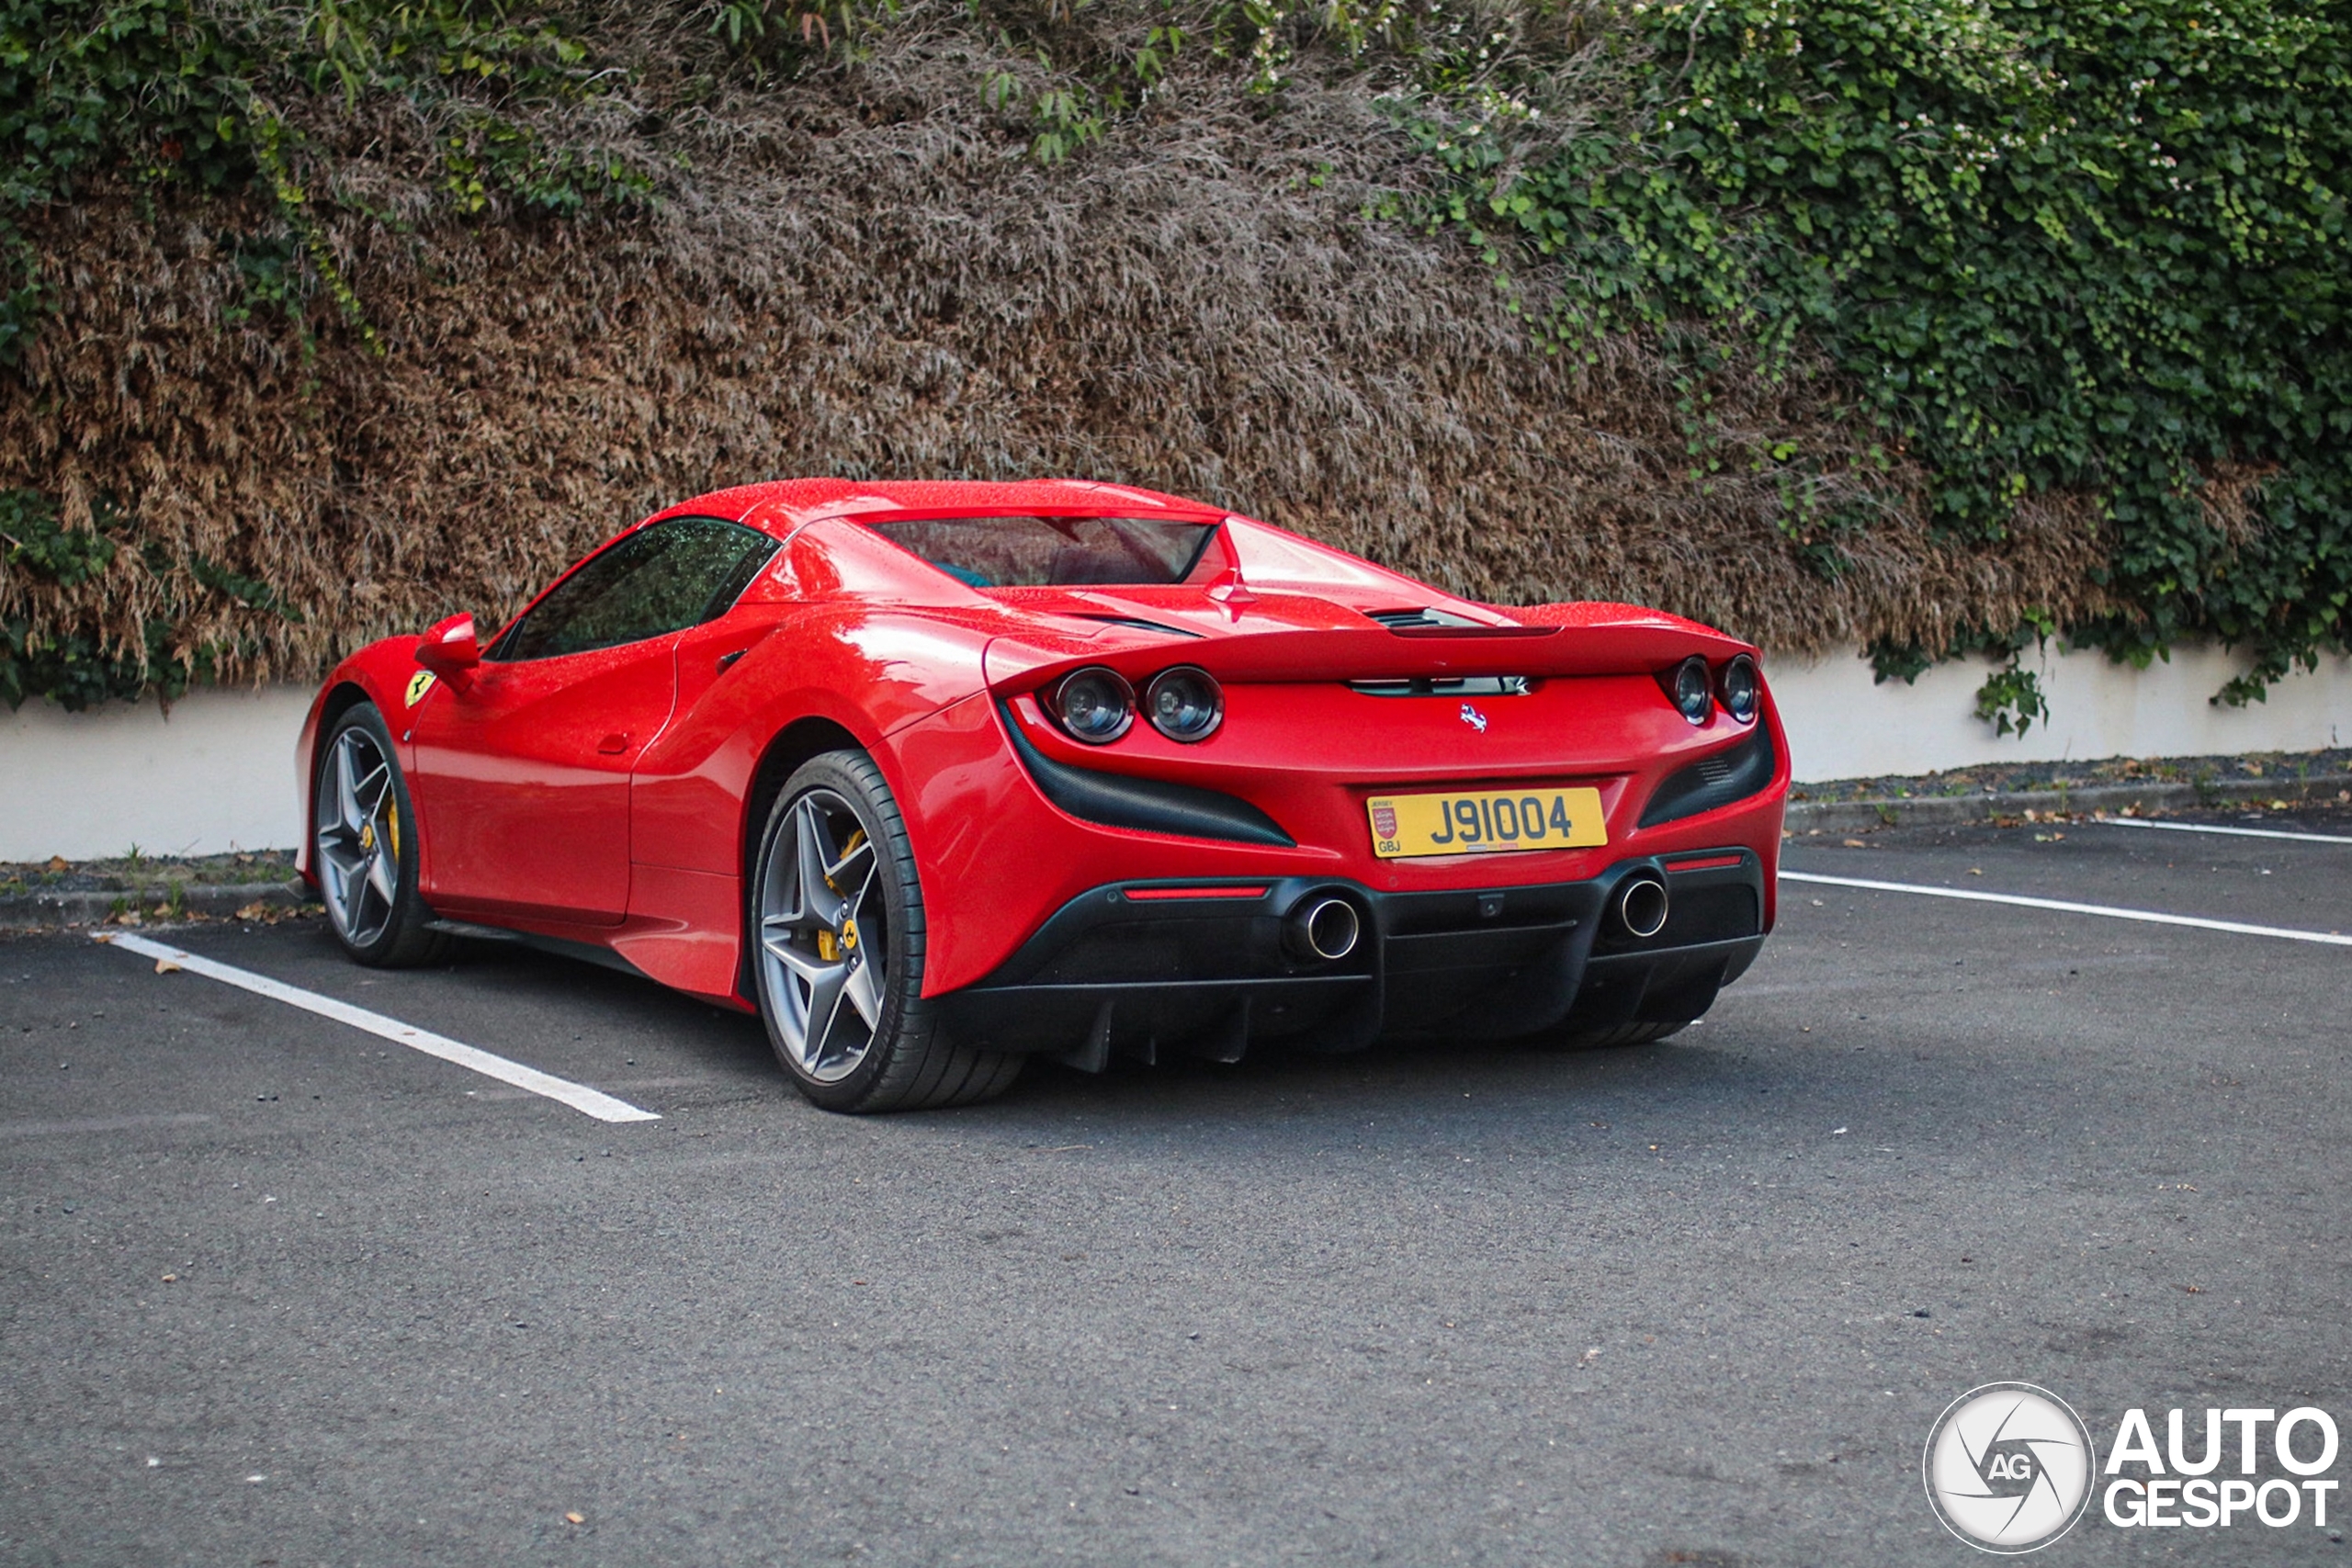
[(1705, 863), (1144, 895)]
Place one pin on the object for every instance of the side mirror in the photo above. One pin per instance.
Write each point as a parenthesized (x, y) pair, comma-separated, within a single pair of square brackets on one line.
[(450, 648)]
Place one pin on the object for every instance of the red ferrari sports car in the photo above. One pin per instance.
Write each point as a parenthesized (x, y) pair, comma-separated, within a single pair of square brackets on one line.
[(940, 776)]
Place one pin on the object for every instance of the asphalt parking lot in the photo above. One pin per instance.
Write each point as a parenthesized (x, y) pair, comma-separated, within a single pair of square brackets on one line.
[(279, 1291)]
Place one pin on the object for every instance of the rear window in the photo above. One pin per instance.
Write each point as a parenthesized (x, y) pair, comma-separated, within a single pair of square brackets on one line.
[(1055, 552)]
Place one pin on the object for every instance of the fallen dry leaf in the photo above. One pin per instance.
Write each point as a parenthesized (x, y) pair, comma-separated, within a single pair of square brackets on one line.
[(577, 1519), (1856, 844), (166, 966), (59, 862), (171, 1278)]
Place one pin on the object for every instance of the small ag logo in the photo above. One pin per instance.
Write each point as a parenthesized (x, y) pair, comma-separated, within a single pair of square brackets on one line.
[(2009, 1468), (1473, 718)]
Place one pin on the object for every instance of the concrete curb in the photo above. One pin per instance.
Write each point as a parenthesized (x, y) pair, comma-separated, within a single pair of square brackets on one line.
[(1938, 810), (44, 911)]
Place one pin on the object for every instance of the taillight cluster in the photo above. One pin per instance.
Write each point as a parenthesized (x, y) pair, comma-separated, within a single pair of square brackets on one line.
[(1696, 690), (1097, 705)]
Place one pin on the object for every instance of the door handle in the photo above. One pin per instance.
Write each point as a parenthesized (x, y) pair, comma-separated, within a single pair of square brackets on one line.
[(612, 745), (727, 660)]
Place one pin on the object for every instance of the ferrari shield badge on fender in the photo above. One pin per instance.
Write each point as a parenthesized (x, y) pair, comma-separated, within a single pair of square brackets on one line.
[(418, 684)]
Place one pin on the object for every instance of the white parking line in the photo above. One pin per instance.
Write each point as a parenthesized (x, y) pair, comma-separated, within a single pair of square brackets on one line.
[(2234, 832), (2333, 939), (580, 1097)]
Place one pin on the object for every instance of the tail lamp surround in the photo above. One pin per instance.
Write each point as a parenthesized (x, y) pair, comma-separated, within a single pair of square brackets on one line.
[(1741, 689), (1094, 705), (1185, 703), (1695, 690), (1694, 693), (1097, 705)]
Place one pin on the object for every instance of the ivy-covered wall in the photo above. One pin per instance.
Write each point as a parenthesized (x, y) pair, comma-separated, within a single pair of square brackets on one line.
[(1940, 326), (2053, 246)]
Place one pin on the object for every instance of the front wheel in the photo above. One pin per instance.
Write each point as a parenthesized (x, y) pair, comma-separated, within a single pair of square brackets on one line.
[(837, 921), (363, 843)]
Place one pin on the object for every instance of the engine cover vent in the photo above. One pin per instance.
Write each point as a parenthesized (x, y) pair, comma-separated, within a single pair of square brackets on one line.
[(1418, 620)]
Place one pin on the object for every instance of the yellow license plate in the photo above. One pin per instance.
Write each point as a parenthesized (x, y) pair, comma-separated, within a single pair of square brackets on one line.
[(1486, 822)]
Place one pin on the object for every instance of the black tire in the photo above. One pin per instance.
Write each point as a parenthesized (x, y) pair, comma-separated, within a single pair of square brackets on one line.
[(381, 932), (805, 937)]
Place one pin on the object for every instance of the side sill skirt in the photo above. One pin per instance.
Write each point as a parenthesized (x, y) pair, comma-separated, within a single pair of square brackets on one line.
[(561, 947)]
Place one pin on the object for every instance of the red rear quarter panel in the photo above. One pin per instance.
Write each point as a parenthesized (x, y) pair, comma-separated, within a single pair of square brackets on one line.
[(871, 670)]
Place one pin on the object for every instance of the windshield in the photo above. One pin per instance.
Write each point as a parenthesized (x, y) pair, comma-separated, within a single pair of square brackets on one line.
[(1055, 552)]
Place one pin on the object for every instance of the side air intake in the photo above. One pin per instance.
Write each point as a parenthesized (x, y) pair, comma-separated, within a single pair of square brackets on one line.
[(1711, 782), (1116, 800)]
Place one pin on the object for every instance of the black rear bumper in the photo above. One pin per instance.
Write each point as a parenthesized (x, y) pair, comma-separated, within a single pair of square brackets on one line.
[(1131, 970)]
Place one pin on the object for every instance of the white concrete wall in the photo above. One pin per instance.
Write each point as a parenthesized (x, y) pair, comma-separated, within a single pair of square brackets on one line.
[(214, 774), (217, 772), (1842, 725)]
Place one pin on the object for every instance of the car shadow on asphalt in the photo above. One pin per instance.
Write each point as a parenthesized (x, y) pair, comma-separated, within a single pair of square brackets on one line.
[(1743, 1075)]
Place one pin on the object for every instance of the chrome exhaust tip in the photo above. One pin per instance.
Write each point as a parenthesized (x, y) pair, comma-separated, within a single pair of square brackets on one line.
[(1327, 928), (1641, 906)]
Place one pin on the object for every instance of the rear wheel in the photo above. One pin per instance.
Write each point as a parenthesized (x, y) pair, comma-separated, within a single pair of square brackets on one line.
[(364, 846), (838, 921)]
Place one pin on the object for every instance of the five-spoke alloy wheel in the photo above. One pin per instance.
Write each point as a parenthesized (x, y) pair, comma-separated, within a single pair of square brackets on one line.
[(824, 936), (364, 846), (836, 920)]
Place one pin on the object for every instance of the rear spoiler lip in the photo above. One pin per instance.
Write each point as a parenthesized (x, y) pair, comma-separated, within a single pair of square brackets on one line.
[(1467, 632), (1015, 663)]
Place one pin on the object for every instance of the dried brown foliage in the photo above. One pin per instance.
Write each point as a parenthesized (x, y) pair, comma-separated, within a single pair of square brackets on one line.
[(863, 275)]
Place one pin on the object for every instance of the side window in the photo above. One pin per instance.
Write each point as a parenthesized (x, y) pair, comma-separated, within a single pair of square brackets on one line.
[(662, 579)]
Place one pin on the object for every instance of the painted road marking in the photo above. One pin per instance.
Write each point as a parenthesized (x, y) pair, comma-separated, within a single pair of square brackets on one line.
[(2333, 939), (2234, 832), (580, 1097)]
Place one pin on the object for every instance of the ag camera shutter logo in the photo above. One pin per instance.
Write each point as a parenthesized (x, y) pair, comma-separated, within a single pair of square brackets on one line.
[(2009, 1468)]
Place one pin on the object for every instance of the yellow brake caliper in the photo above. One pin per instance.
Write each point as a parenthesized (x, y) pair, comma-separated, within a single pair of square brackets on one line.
[(830, 947)]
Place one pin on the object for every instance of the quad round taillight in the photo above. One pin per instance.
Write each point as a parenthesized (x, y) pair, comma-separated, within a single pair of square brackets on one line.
[(1741, 689), (1095, 706), (1184, 704), (1694, 693)]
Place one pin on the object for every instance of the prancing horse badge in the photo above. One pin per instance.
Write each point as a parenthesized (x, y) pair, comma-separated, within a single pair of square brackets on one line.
[(1473, 718)]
